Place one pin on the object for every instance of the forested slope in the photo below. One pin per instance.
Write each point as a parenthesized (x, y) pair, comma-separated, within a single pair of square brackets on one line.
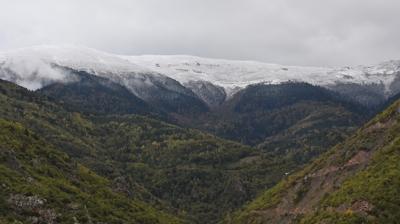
[(356, 181)]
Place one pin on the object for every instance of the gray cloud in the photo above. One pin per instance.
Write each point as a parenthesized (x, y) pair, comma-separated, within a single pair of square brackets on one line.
[(298, 32)]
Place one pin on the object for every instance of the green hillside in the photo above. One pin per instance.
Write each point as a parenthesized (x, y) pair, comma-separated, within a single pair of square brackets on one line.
[(190, 173), (297, 121), (185, 172), (40, 184), (357, 181)]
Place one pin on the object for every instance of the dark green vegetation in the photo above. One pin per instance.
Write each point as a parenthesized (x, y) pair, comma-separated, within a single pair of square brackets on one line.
[(286, 116), (297, 121), (185, 172), (88, 93), (91, 94), (357, 181), (262, 111), (195, 175), (95, 157), (40, 184)]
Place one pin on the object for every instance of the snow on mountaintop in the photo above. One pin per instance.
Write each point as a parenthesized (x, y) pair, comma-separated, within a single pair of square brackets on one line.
[(76, 57), (30, 66), (231, 73)]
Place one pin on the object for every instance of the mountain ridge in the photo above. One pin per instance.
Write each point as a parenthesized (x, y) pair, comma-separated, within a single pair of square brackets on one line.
[(31, 67)]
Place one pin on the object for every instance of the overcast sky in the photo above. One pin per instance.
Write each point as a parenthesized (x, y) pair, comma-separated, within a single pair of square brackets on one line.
[(292, 32)]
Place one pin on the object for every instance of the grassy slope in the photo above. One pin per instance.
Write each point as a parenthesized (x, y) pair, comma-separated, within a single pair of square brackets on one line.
[(364, 170), (37, 181)]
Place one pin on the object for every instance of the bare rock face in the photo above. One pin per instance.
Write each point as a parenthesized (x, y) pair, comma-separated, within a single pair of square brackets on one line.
[(33, 205), (362, 207), (22, 202), (309, 191)]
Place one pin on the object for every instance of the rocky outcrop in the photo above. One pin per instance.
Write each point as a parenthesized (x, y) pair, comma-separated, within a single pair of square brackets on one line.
[(34, 205)]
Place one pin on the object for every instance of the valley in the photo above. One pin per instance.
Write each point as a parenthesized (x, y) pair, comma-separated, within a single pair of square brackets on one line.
[(163, 146)]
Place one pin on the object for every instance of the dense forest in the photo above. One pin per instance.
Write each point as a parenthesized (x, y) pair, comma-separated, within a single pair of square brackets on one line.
[(192, 174), (158, 165)]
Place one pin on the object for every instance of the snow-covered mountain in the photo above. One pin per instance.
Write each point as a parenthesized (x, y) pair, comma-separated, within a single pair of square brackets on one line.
[(231, 74), (31, 66), (37, 66)]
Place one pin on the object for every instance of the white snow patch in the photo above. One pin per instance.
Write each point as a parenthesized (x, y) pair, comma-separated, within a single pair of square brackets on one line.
[(32, 68), (232, 74)]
